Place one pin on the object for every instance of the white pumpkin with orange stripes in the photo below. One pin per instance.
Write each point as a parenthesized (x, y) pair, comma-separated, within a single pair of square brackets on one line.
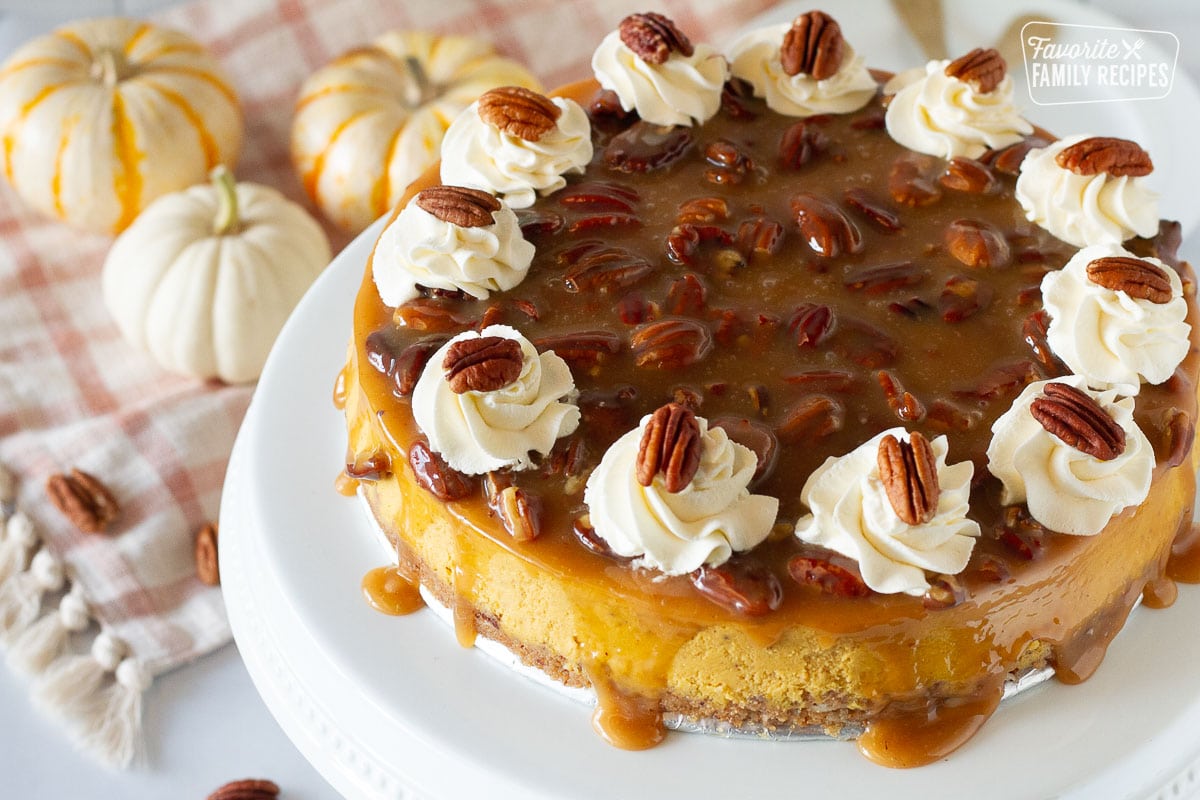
[(372, 120), (100, 117), (205, 278)]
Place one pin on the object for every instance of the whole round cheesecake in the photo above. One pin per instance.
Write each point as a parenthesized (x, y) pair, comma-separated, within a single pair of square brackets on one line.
[(763, 390)]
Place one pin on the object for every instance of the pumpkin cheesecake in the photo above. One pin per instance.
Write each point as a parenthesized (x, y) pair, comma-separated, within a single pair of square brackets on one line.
[(767, 392)]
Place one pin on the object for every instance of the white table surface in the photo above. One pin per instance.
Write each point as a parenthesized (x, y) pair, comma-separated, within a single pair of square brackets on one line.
[(205, 723)]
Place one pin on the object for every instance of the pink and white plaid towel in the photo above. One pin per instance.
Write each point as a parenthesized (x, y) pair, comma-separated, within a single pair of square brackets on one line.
[(91, 619)]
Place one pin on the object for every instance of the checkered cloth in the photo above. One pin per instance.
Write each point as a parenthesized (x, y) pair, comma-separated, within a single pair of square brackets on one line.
[(73, 394)]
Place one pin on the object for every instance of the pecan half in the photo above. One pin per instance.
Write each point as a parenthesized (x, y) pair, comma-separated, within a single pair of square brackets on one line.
[(1116, 157), (483, 364), (581, 348), (741, 585), (671, 445), (824, 226), (1078, 420), (1133, 276), (519, 112), (983, 69), (83, 499), (977, 244), (519, 512), (437, 477), (909, 474), (248, 789), (653, 37), (814, 45), (207, 568), (670, 343), (458, 205)]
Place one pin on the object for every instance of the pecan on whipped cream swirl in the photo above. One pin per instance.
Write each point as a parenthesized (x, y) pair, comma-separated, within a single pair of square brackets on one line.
[(1111, 336), (1084, 209), (499, 159), (703, 523), (852, 514), (1067, 489), (942, 115), (755, 58), (480, 431), (420, 248), (684, 88)]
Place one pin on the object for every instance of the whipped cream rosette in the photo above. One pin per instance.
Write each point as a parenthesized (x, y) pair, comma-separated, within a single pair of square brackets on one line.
[(656, 71), (854, 511), (1116, 319), (1088, 190), (452, 238), (486, 405), (516, 143), (955, 108), (803, 68), (1075, 458), (686, 509)]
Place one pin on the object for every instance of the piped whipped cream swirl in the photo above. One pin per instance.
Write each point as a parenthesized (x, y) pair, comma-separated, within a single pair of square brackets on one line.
[(755, 58), (1084, 209), (477, 432), (418, 248), (932, 112), (681, 91), (1111, 339), (1066, 489), (675, 533), (476, 153), (851, 514)]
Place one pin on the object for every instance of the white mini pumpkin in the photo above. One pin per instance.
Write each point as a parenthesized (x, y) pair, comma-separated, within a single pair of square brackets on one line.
[(205, 278), (373, 119), (100, 117)]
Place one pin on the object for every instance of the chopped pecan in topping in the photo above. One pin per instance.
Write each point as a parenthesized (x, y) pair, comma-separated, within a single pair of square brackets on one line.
[(814, 46), (835, 575), (1078, 420), (1116, 157), (643, 147), (983, 69), (482, 364), (824, 226), (811, 419), (83, 499), (653, 37), (670, 343), (968, 175), (459, 205), (977, 244), (437, 477), (581, 348), (801, 143), (670, 444), (908, 471), (519, 512), (519, 112), (742, 585), (1134, 276)]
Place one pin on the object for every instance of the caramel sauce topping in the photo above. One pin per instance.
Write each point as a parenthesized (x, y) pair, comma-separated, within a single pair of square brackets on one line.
[(392, 590)]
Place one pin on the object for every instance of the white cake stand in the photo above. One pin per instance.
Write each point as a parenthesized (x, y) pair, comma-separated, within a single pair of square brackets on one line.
[(391, 708)]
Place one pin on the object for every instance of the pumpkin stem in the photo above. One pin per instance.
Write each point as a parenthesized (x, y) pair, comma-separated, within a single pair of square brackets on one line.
[(419, 89), (107, 67), (226, 221)]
